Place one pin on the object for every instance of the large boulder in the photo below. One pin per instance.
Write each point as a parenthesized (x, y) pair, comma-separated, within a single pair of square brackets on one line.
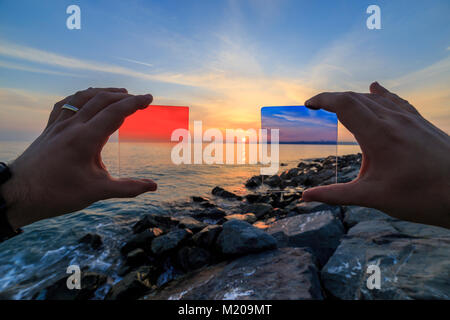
[(91, 239), (321, 231), (412, 259), (141, 240), (207, 237), (288, 273), (239, 237)]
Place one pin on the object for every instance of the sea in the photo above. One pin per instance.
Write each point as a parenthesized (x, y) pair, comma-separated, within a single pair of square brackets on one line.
[(41, 254)]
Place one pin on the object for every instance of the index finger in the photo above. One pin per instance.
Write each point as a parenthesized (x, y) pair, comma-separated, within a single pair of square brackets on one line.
[(350, 110), (107, 121)]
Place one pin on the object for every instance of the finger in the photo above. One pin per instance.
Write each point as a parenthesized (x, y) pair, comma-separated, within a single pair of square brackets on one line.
[(354, 113), (98, 103), (56, 110), (128, 188), (107, 121), (80, 98), (399, 103), (339, 194)]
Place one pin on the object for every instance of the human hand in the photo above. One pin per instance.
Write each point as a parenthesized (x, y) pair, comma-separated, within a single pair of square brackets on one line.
[(62, 170), (405, 170)]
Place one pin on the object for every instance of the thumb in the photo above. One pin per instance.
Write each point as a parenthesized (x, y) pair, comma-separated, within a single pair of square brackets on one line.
[(128, 188), (339, 194)]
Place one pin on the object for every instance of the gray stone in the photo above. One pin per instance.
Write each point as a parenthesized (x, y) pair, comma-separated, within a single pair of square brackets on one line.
[(321, 231), (288, 273), (413, 260), (141, 240), (132, 286), (310, 207), (190, 223), (240, 237), (355, 214), (191, 258), (258, 209), (170, 241)]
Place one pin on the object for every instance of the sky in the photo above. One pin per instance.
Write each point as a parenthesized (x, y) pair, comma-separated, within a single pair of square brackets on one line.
[(223, 59), (300, 124)]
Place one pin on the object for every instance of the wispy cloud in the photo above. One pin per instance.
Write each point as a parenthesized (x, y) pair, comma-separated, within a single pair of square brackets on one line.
[(137, 62)]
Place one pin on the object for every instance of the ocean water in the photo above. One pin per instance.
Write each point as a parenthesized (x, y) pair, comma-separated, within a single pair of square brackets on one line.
[(41, 255)]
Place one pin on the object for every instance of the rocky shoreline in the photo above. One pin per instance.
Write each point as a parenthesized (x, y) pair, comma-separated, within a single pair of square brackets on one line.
[(269, 244)]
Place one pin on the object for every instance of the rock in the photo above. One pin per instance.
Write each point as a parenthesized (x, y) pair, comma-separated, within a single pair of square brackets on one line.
[(90, 282), (199, 199), (240, 237), (170, 241), (324, 176), (321, 231), (191, 258), (141, 240), (259, 209), (355, 214), (132, 286), (256, 197), (92, 239), (288, 273), (207, 237), (248, 217), (254, 182), (309, 207), (272, 181), (190, 223), (163, 222), (413, 262), (135, 258), (220, 192), (261, 225)]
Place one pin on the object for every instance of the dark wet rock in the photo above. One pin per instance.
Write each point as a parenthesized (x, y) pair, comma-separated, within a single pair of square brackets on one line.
[(288, 273), (199, 199), (273, 181), (326, 176), (256, 197), (135, 258), (91, 239), (240, 237), (163, 222), (221, 192), (254, 182), (302, 179), (132, 286), (248, 217), (207, 237), (413, 262), (321, 231), (258, 209), (141, 240), (191, 258), (170, 241), (355, 214), (282, 164), (190, 223), (210, 213), (90, 282)]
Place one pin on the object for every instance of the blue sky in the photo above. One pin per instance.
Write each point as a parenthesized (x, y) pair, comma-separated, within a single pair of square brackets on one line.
[(225, 59)]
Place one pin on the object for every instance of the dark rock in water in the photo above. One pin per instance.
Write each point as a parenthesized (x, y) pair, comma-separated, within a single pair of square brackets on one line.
[(248, 217), (190, 223), (207, 237), (132, 286), (355, 214), (163, 222), (273, 181), (240, 237), (141, 240), (321, 231), (288, 273), (199, 199), (210, 213), (90, 282), (92, 239), (282, 164), (191, 258), (135, 258), (170, 241), (254, 182), (221, 192), (258, 209), (412, 259)]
